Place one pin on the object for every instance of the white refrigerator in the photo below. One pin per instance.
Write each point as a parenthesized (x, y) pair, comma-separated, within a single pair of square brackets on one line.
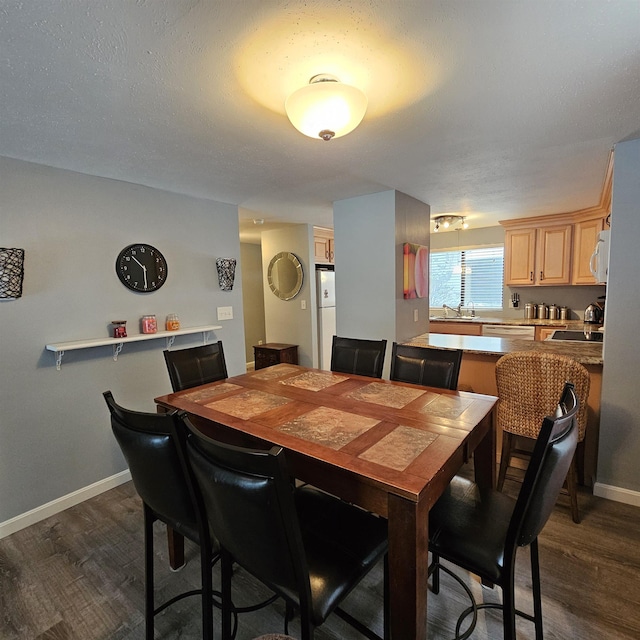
[(326, 291)]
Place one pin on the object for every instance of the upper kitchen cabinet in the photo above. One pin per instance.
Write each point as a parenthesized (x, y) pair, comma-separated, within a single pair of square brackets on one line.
[(537, 254), (584, 242), (323, 245), (551, 250), (556, 249)]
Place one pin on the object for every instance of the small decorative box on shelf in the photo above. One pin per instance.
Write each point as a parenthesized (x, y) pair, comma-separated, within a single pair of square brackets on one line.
[(272, 353)]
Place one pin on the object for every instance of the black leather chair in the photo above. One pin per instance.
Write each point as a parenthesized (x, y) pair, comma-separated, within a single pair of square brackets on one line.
[(195, 366), (480, 530), (362, 357), (149, 444), (425, 366), (307, 546)]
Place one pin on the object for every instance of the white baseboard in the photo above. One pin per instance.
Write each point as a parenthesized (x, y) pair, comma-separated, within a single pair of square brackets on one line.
[(618, 494), (60, 504)]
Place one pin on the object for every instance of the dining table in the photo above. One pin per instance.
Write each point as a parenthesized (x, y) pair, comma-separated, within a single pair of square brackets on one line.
[(389, 447)]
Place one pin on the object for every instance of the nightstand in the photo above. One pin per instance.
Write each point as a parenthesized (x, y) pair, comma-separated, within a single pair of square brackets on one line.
[(272, 353)]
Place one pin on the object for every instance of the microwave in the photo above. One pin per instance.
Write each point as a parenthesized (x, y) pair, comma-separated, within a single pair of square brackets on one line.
[(599, 263)]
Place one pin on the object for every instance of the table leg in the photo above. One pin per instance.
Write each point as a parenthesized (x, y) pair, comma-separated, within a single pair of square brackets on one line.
[(408, 568), (176, 549), (484, 456)]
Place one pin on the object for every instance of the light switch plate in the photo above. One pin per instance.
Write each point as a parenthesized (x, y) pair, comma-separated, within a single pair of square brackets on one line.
[(225, 313)]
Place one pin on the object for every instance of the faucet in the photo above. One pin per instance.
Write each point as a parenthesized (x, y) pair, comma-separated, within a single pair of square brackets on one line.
[(456, 310), (472, 309)]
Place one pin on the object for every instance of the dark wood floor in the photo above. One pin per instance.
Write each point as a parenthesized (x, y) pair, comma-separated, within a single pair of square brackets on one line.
[(79, 576)]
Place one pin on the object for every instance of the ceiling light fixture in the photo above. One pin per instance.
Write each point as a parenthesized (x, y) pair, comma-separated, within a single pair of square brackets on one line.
[(446, 221), (326, 108)]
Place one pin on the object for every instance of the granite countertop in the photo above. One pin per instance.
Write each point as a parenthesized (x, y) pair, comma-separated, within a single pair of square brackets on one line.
[(522, 322), (583, 352)]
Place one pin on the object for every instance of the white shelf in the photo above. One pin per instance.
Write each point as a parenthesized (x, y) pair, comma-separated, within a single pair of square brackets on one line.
[(59, 348)]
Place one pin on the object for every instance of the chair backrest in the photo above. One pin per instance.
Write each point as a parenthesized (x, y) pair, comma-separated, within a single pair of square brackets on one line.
[(361, 357), (149, 445), (529, 385), (426, 366), (248, 500), (195, 366), (547, 470)]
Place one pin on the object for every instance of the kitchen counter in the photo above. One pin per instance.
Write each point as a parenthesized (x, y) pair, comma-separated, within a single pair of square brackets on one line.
[(521, 322), (584, 352), (478, 373)]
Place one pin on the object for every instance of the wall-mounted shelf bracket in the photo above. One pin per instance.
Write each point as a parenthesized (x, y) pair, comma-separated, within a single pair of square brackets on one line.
[(59, 348)]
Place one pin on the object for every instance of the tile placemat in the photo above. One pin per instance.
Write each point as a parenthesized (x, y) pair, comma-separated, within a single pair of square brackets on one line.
[(329, 427), (314, 380), (248, 404), (211, 392), (274, 372), (447, 406), (386, 395), (400, 448)]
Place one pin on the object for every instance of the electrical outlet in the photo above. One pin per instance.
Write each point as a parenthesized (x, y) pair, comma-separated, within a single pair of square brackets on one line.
[(303, 304), (415, 315), (225, 313)]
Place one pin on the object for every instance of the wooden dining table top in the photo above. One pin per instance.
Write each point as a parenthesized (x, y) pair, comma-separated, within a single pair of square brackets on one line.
[(397, 436), (389, 447)]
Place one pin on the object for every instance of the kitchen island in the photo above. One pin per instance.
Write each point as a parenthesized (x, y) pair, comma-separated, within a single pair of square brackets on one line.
[(477, 373)]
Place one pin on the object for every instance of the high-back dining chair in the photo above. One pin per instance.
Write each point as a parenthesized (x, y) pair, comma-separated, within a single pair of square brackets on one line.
[(480, 530), (307, 546), (361, 357), (149, 444), (196, 365), (426, 366), (529, 383)]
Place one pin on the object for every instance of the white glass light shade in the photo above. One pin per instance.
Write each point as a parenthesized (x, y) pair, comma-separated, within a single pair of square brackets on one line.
[(326, 109)]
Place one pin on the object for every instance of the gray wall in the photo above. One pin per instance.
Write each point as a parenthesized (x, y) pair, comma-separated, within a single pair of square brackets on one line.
[(252, 297), (285, 320), (369, 235), (54, 430), (619, 450)]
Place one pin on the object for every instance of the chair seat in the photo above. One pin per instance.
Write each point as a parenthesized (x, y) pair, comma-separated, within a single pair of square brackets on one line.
[(342, 542), (470, 524)]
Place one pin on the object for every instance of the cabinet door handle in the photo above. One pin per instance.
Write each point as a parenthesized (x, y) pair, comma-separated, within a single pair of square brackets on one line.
[(531, 276), (541, 276), (326, 255), (331, 256)]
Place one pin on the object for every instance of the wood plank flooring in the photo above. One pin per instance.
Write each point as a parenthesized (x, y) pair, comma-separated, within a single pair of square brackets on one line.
[(79, 576)]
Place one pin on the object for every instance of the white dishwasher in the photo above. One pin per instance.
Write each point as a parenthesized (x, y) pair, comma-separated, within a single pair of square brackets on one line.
[(514, 331)]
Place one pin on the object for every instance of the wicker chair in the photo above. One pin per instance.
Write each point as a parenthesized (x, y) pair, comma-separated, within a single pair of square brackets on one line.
[(529, 385)]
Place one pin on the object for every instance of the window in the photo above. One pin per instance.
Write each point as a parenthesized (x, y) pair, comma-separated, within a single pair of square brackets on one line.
[(467, 276)]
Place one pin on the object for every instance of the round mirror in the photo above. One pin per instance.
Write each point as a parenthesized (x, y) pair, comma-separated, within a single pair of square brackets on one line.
[(285, 275)]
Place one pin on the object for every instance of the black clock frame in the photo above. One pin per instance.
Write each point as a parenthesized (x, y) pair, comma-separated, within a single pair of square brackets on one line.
[(141, 267)]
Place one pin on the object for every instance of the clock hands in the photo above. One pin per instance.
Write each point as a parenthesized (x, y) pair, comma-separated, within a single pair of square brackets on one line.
[(144, 270)]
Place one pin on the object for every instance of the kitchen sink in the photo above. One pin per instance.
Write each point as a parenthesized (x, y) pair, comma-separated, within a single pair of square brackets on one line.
[(453, 318)]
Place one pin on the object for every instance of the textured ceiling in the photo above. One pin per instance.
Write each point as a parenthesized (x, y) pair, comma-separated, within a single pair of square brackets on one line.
[(488, 108)]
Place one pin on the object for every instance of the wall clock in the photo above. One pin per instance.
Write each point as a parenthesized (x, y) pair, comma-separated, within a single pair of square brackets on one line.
[(141, 267)]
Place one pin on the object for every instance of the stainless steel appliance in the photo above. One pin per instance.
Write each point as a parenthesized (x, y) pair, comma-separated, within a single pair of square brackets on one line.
[(593, 314)]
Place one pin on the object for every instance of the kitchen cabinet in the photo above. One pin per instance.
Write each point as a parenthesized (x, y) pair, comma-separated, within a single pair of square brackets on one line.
[(538, 256), (323, 246), (585, 237), (458, 328)]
